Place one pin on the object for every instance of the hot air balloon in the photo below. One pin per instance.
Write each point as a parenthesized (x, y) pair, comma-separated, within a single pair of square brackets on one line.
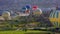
[(55, 18), (28, 6), (34, 7), (6, 15), (28, 9), (36, 11), (24, 8), (25, 11)]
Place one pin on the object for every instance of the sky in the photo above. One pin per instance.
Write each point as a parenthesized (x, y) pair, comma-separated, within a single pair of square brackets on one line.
[(17, 4)]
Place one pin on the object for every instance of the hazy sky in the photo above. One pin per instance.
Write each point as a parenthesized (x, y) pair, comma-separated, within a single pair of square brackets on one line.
[(17, 4)]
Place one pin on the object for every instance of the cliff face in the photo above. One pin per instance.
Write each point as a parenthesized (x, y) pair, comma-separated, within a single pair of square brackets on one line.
[(17, 4)]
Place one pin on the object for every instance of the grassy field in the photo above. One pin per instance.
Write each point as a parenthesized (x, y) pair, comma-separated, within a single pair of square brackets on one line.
[(27, 32)]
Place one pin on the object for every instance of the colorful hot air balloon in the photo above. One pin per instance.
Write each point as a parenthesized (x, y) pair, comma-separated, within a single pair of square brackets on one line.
[(28, 6), (55, 18), (24, 8), (36, 11), (28, 9), (34, 7)]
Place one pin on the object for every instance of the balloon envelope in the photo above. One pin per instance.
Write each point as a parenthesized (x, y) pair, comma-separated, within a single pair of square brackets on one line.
[(24, 8), (34, 7), (28, 6)]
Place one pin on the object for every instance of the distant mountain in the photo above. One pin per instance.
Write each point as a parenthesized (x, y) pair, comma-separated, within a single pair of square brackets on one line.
[(17, 4)]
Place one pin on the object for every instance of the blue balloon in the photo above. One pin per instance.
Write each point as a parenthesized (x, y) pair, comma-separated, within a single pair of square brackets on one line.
[(24, 8), (28, 6)]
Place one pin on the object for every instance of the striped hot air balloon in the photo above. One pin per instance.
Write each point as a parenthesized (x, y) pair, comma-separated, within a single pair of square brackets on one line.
[(55, 18)]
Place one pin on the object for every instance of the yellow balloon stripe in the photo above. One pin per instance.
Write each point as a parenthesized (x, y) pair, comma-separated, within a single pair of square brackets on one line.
[(55, 18)]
